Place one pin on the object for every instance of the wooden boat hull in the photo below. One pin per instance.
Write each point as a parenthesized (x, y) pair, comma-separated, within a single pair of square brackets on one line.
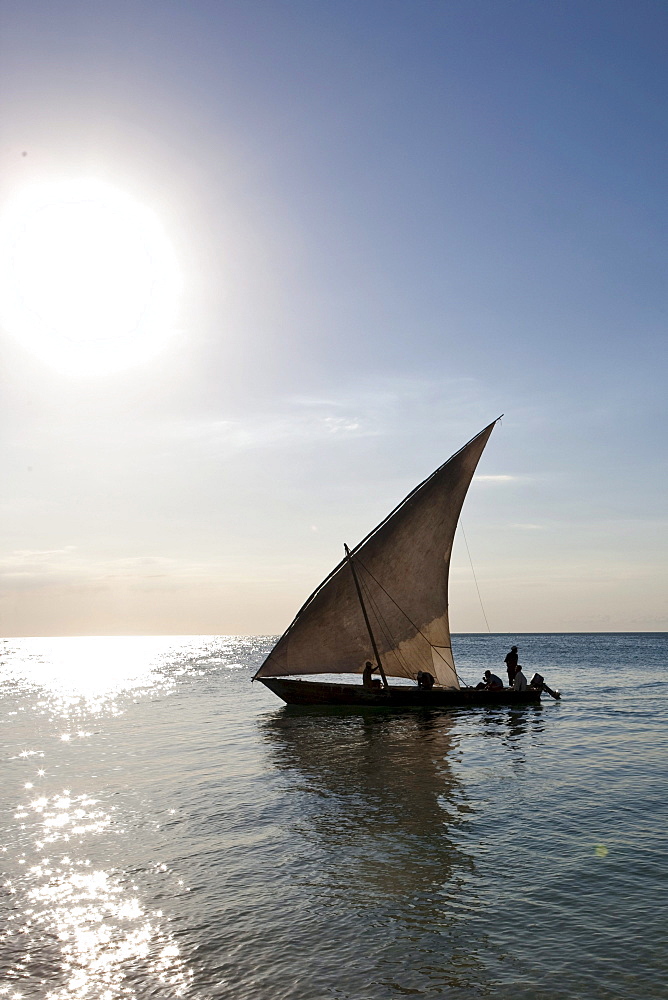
[(299, 692)]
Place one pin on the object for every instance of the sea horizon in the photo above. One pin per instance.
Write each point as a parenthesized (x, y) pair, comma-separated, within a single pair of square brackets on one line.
[(251, 635)]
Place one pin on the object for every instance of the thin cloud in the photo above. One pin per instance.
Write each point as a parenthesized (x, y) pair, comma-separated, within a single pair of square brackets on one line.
[(271, 430), (389, 408), (498, 479)]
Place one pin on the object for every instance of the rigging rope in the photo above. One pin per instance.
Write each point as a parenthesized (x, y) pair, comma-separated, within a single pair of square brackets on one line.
[(475, 577), (385, 629), (411, 622)]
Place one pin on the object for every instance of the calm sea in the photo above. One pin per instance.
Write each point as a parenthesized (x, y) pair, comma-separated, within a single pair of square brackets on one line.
[(170, 830)]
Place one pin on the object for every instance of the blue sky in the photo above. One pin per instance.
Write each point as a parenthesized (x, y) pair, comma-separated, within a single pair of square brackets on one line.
[(393, 221)]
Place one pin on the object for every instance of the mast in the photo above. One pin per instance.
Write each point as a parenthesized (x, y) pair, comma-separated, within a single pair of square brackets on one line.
[(366, 617)]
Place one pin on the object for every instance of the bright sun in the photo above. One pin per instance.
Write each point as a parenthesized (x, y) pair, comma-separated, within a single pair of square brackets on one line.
[(88, 279)]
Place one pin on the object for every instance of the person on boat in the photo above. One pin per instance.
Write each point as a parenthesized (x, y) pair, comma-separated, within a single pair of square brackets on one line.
[(537, 682), (511, 661), (368, 681), (519, 680), (425, 680), (492, 682)]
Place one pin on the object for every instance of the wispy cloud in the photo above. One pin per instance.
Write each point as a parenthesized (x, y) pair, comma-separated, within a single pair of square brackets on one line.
[(68, 565), (28, 562), (499, 479), (387, 407), (277, 430)]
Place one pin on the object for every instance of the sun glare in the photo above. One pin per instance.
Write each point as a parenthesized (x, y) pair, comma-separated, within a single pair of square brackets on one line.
[(88, 278)]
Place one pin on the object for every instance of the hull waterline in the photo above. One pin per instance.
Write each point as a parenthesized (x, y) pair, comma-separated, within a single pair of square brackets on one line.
[(299, 692)]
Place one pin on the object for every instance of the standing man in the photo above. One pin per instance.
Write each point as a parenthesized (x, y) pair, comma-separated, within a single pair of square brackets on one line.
[(511, 662)]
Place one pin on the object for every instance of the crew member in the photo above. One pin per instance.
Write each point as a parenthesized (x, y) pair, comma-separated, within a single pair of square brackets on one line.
[(511, 664), (519, 680), (492, 682), (367, 680), (538, 682)]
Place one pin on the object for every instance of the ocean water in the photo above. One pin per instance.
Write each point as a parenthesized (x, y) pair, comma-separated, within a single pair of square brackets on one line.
[(170, 830)]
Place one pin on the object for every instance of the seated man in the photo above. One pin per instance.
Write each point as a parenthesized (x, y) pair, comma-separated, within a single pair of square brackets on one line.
[(519, 681), (425, 680), (492, 682)]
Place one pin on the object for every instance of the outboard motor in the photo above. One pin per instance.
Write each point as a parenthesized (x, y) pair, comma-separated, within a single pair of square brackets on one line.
[(537, 681)]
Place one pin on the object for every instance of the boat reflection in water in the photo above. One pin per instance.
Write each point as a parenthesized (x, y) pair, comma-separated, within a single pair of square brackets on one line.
[(512, 723), (375, 811)]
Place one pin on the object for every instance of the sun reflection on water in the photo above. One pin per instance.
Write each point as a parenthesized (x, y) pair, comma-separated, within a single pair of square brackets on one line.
[(89, 671), (95, 927), (102, 931), (76, 923)]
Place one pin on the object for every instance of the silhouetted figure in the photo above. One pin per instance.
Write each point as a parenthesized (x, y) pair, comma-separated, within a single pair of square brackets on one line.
[(519, 680), (538, 682), (425, 680), (492, 682), (511, 662), (368, 681)]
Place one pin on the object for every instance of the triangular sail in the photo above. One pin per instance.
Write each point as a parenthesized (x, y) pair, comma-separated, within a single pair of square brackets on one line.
[(402, 567)]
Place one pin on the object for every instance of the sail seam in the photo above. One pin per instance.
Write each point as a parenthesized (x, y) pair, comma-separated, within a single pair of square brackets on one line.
[(416, 627), (409, 620), (380, 621), (387, 634)]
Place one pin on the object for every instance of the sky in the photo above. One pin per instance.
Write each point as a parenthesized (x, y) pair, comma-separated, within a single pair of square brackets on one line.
[(330, 242)]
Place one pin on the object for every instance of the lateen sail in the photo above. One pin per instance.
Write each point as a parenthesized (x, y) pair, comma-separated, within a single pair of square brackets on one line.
[(403, 568)]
